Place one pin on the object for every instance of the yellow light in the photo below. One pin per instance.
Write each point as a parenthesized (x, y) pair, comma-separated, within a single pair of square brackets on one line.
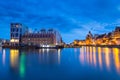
[(100, 57), (107, 57), (116, 59), (94, 56), (14, 57), (14, 40)]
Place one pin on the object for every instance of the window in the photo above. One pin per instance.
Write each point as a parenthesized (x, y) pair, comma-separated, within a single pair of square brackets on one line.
[(17, 30), (13, 29), (11, 35), (20, 30), (16, 35)]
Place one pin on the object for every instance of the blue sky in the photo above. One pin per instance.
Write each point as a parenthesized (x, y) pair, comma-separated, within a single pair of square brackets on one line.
[(72, 18)]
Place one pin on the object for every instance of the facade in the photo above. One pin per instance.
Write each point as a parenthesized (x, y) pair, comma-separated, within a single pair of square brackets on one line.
[(116, 36), (16, 31), (79, 42), (20, 35), (89, 39), (111, 38), (42, 38)]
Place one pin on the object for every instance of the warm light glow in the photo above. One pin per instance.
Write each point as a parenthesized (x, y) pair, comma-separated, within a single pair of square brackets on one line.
[(117, 59), (81, 56), (14, 54), (100, 57), (87, 54), (14, 40), (90, 55), (94, 56), (107, 57)]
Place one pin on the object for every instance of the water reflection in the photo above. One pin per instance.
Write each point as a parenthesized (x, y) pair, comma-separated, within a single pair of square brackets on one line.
[(19, 59), (3, 56), (116, 55), (108, 58), (22, 65), (14, 55), (50, 63)]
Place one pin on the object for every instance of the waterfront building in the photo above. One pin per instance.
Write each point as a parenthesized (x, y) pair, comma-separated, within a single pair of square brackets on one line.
[(82, 42), (21, 36), (116, 33), (111, 38), (42, 38), (100, 39), (116, 36), (79, 42), (76, 42), (89, 39), (16, 31)]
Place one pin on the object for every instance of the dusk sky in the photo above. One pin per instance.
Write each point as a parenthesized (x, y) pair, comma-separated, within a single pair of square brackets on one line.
[(72, 18)]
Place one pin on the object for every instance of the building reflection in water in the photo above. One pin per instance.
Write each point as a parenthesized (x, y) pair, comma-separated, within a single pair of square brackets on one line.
[(88, 55), (14, 56), (19, 58), (116, 55), (3, 56), (22, 65), (99, 57), (17, 61), (59, 52), (49, 56)]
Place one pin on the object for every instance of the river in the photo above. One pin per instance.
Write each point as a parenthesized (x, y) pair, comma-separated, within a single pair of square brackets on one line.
[(85, 63)]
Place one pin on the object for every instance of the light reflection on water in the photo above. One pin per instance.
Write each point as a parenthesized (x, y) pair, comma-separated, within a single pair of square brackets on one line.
[(72, 62), (101, 57), (3, 56), (18, 58)]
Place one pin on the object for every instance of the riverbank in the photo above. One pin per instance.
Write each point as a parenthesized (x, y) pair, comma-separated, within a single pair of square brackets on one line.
[(109, 46), (32, 47), (59, 47)]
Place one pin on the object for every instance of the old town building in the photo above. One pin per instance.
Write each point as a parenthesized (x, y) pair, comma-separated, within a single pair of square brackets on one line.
[(116, 36), (42, 38), (111, 38), (89, 39)]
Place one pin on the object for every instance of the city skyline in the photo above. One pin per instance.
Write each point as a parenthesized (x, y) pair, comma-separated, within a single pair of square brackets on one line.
[(73, 18)]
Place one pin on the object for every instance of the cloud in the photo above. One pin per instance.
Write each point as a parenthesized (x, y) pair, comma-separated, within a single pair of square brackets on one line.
[(72, 18)]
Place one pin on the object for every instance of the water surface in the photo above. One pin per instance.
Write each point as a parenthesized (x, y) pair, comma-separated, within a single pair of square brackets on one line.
[(86, 63)]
